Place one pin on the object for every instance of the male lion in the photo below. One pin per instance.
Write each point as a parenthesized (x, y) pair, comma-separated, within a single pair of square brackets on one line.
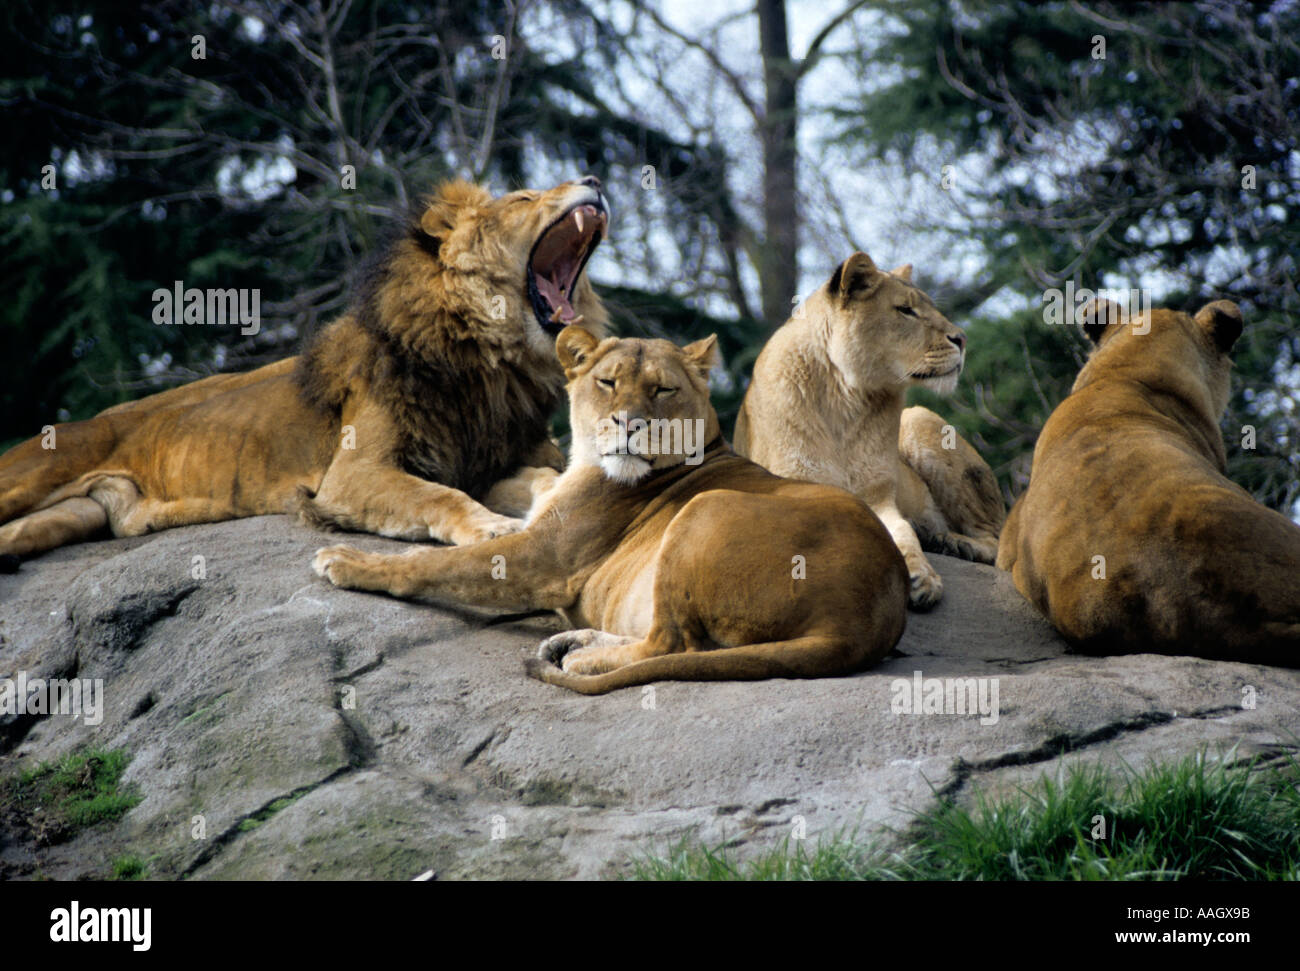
[(696, 566), (400, 418), (1130, 538), (826, 404)]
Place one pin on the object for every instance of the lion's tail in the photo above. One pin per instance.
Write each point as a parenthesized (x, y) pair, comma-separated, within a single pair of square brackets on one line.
[(312, 513), (804, 657), (33, 472)]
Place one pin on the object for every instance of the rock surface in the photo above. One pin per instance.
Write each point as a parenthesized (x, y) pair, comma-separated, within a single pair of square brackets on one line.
[(281, 728)]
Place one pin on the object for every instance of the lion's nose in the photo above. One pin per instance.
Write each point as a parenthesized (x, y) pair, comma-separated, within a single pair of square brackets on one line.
[(959, 340), (590, 181)]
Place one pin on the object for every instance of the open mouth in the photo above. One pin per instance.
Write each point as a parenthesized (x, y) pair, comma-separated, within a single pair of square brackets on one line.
[(557, 260)]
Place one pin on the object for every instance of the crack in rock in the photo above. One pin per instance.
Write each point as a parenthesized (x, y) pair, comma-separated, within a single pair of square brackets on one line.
[(478, 749), (1058, 745), (232, 832), (366, 668)]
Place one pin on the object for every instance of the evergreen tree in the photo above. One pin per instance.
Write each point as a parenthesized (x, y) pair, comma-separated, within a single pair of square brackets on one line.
[(1119, 145)]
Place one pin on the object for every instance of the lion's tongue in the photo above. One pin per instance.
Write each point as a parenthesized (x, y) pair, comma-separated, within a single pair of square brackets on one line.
[(555, 296), (559, 258)]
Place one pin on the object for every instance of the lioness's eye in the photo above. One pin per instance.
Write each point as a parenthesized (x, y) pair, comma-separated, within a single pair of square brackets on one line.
[(664, 392), (906, 311), (605, 383)]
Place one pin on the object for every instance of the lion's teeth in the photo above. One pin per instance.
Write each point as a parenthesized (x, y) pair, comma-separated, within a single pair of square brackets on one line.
[(577, 218)]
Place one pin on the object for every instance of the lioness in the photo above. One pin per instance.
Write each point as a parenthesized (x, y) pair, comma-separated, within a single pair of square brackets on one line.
[(1130, 538), (826, 404), (677, 566), (401, 418)]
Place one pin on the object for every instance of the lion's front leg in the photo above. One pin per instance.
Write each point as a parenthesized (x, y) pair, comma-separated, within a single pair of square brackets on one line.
[(365, 488), (377, 498), (926, 586), (517, 572), (353, 569)]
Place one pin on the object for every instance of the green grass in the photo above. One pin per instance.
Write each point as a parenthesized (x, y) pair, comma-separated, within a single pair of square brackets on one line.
[(837, 858), (1197, 819), (129, 867), (78, 791)]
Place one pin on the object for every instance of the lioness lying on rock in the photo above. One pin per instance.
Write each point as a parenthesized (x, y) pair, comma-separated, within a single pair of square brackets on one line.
[(826, 404), (681, 563), (421, 412), (1130, 538)]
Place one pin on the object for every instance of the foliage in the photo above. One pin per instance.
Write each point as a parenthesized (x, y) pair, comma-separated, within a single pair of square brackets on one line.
[(1111, 145), (1128, 169), (228, 170)]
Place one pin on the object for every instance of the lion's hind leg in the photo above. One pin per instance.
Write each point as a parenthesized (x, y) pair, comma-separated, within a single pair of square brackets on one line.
[(947, 490), (99, 502), (975, 549), (518, 494), (34, 472), (69, 521), (130, 514)]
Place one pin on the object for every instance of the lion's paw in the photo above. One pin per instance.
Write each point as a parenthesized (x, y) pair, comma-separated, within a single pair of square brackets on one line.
[(554, 648), (559, 648), (926, 590), (334, 563), (484, 526)]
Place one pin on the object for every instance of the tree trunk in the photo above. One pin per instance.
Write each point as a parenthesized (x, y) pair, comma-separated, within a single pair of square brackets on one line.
[(778, 253)]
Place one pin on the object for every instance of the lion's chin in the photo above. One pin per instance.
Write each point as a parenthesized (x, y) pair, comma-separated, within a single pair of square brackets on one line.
[(624, 469), (939, 383)]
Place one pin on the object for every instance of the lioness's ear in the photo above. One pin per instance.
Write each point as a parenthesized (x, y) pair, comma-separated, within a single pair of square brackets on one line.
[(903, 272), (1221, 319), (573, 347), (854, 275), (703, 354), (1098, 314)]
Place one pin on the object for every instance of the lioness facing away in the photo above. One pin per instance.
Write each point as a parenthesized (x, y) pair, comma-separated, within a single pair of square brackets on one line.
[(429, 399), (1130, 538), (826, 404), (674, 557)]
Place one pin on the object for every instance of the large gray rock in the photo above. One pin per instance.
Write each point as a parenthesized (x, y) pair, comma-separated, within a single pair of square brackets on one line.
[(280, 727)]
